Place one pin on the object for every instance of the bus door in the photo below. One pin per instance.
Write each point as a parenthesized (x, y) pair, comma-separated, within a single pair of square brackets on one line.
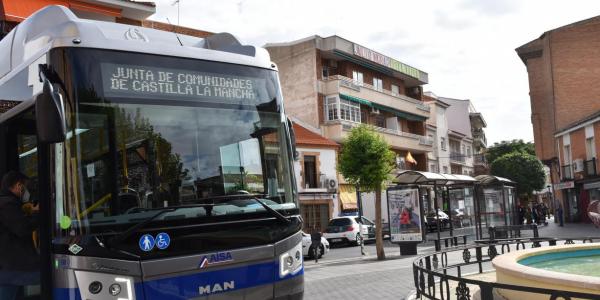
[(20, 153)]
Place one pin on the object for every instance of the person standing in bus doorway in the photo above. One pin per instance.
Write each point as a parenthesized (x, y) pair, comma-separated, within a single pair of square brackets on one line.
[(315, 239), (19, 260)]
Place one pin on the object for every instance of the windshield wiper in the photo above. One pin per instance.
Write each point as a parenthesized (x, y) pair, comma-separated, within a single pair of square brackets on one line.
[(273, 212), (131, 230)]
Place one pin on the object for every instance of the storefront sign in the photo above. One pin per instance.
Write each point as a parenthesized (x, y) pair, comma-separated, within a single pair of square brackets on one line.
[(404, 215), (592, 185), (389, 62), (564, 185)]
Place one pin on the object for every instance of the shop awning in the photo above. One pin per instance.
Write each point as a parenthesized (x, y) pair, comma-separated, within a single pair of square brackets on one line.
[(401, 114), (348, 197)]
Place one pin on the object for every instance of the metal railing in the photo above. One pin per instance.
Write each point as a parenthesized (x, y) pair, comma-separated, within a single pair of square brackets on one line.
[(436, 278), (457, 156), (590, 167), (479, 159), (355, 85), (567, 172), (423, 140)]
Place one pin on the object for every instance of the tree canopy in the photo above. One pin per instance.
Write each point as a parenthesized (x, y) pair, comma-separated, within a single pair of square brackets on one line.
[(366, 159), (522, 168), (499, 149)]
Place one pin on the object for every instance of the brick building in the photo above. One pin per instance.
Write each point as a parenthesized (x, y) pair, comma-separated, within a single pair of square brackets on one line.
[(563, 67), (12, 12), (333, 84)]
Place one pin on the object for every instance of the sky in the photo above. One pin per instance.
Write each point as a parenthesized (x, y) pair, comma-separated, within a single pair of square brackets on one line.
[(466, 46)]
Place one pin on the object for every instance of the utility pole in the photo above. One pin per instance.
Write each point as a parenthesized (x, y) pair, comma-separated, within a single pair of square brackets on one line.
[(176, 2)]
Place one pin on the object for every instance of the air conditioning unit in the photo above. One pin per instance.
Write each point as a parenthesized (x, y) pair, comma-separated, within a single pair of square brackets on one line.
[(375, 111), (330, 184), (578, 165)]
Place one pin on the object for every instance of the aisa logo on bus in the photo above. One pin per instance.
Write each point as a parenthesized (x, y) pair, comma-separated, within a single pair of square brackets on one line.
[(216, 258)]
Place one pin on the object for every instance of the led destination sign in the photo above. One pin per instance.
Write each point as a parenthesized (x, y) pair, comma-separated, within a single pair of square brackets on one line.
[(142, 82)]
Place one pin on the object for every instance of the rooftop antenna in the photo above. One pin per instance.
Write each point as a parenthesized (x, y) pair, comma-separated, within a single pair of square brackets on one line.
[(176, 2), (176, 35)]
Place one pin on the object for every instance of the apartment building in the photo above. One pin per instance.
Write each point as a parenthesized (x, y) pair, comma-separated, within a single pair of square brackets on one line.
[(437, 130), (316, 176), (334, 84), (563, 67)]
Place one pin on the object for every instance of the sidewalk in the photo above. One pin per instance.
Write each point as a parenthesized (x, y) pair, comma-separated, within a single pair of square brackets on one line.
[(569, 230)]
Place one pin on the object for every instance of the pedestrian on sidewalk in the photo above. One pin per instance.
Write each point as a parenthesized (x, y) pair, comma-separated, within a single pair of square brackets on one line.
[(560, 215), (315, 245)]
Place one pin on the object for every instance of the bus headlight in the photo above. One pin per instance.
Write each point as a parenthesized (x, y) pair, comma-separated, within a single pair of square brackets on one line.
[(290, 262)]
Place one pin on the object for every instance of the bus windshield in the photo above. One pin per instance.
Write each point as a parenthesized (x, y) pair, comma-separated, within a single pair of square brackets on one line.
[(149, 132)]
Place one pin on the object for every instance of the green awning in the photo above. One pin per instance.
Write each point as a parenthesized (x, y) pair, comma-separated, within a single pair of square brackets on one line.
[(357, 100), (401, 114)]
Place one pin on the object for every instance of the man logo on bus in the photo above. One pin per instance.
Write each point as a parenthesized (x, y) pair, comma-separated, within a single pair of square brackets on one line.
[(216, 258)]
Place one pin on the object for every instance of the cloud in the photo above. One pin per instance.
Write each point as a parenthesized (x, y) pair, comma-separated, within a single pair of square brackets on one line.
[(448, 21), (492, 7)]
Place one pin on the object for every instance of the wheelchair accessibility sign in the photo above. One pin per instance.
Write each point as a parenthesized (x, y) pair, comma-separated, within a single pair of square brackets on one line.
[(162, 241)]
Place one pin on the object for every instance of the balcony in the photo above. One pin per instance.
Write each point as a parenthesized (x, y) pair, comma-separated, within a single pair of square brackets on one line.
[(567, 172), (479, 137), (479, 159), (338, 130), (457, 157), (590, 167), (337, 84)]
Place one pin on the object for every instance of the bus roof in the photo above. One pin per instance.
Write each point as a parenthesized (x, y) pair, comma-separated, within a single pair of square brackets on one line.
[(56, 26)]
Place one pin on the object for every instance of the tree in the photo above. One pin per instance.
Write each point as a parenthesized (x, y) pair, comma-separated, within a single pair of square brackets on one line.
[(499, 149), (524, 169), (366, 161)]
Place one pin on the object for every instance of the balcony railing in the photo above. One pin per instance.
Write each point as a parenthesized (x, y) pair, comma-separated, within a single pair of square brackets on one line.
[(567, 172), (479, 159), (590, 167), (423, 140), (457, 156), (355, 85)]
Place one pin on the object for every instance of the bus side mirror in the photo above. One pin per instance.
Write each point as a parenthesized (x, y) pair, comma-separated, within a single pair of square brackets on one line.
[(293, 139), (50, 114)]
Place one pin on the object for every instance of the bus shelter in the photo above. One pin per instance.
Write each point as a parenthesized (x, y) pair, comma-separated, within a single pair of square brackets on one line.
[(497, 203), (443, 201)]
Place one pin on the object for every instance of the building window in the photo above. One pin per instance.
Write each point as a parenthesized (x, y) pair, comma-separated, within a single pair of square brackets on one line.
[(433, 168), (337, 109), (445, 170), (379, 121), (443, 143), (349, 111), (378, 84), (358, 77), (325, 71), (310, 172), (332, 108), (469, 151), (590, 148), (395, 90)]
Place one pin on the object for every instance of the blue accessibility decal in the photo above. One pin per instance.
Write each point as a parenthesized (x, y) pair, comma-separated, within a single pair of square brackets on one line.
[(162, 241), (146, 242)]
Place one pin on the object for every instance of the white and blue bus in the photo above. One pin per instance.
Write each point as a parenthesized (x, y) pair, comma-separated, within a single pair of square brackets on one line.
[(162, 163)]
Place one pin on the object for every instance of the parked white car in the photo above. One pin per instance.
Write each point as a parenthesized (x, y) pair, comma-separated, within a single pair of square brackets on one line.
[(346, 229), (306, 246)]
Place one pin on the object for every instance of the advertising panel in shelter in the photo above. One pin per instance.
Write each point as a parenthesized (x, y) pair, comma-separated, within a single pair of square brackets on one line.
[(405, 215)]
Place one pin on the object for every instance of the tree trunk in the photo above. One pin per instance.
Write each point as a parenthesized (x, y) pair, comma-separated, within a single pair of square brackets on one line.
[(378, 226)]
